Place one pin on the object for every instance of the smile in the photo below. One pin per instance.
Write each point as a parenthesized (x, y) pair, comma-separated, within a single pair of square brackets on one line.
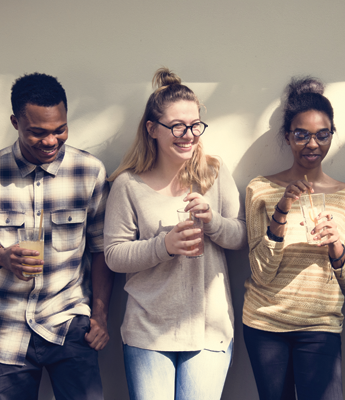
[(311, 157), (184, 145), (49, 151)]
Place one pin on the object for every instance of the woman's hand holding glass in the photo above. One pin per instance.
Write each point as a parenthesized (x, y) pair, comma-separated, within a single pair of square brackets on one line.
[(328, 229), (177, 240), (199, 206)]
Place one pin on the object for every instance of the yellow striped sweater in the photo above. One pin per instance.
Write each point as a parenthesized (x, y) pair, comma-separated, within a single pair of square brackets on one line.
[(292, 286)]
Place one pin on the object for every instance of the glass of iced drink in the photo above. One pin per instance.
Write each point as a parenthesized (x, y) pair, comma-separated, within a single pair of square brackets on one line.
[(311, 206), (29, 239), (197, 223)]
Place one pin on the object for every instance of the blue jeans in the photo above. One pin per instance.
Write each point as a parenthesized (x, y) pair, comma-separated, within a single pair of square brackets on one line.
[(169, 375), (307, 361), (73, 368)]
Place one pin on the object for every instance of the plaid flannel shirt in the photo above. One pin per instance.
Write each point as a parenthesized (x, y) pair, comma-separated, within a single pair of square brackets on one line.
[(72, 191)]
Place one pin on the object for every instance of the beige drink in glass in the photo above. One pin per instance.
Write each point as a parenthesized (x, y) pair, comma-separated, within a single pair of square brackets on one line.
[(197, 223), (311, 206), (29, 239)]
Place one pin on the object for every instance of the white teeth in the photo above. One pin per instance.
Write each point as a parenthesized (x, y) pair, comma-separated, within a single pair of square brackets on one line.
[(47, 151), (183, 145)]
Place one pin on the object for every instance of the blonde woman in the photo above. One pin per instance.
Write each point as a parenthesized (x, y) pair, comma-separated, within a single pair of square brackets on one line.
[(178, 326)]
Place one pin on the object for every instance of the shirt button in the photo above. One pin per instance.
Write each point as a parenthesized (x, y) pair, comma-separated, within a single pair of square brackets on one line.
[(38, 213), (8, 221), (34, 296), (70, 218), (38, 183), (30, 320)]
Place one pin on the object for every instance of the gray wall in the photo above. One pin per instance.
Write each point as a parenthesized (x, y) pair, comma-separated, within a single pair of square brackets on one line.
[(237, 55)]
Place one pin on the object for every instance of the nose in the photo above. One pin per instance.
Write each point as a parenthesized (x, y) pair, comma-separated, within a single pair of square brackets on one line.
[(312, 142), (189, 133), (49, 140)]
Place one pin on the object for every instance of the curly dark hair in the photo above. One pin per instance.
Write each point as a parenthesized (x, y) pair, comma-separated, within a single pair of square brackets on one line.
[(305, 94), (39, 89)]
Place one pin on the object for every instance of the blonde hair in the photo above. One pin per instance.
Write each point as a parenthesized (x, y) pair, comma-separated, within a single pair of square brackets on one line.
[(142, 155)]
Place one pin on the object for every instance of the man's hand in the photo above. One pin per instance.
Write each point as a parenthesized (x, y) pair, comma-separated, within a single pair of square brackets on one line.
[(98, 336), (12, 258)]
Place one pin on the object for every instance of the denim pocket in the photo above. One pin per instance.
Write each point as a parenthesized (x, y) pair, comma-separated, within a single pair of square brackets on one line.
[(79, 326)]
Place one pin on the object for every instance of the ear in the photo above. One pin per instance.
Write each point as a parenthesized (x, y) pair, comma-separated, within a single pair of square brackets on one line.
[(150, 129), (287, 134), (14, 121)]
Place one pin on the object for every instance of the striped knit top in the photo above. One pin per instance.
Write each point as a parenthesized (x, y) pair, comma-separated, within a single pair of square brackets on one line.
[(292, 286)]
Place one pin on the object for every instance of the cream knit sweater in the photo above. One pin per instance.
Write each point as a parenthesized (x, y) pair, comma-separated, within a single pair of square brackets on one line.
[(174, 303), (292, 286)]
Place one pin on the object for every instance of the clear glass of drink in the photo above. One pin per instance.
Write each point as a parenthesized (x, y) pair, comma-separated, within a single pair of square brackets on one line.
[(29, 239), (197, 223), (311, 206)]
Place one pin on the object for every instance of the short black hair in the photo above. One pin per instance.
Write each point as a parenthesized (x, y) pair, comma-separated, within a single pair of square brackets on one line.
[(38, 89), (305, 94)]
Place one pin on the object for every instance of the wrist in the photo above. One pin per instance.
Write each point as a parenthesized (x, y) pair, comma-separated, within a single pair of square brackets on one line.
[(274, 237), (279, 219), (100, 317), (335, 248), (281, 209), (166, 246), (99, 309), (337, 262)]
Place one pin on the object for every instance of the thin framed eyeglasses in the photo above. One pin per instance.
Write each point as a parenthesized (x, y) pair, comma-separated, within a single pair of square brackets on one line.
[(303, 137), (179, 130)]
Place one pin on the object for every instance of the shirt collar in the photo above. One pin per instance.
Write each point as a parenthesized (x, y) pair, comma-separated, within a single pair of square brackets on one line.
[(26, 167)]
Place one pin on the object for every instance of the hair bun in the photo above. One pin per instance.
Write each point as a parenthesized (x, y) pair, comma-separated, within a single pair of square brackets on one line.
[(307, 84), (304, 94), (165, 77)]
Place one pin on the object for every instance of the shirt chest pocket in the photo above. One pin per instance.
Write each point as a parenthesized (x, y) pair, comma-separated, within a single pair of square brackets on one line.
[(68, 228), (10, 222)]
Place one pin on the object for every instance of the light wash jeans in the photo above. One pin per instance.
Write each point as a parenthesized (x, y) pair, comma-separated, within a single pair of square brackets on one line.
[(169, 375)]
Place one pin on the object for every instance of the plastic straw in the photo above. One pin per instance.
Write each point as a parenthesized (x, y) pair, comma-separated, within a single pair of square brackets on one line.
[(41, 222), (190, 191), (311, 203)]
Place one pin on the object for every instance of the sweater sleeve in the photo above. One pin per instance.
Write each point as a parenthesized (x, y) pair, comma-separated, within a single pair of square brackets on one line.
[(265, 255), (227, 227), (123, 251)]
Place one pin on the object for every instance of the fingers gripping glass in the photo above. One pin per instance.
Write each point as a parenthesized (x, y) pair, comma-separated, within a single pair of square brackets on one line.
[(303, 137), (179, 130)]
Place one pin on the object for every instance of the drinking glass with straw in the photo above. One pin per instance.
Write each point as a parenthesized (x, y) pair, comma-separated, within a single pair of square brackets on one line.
[(197, 223), (190, 191), (311, 206), (33, 239), (314, 217)]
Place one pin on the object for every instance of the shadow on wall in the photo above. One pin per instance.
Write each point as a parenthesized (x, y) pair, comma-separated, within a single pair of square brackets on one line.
[(269, 154)]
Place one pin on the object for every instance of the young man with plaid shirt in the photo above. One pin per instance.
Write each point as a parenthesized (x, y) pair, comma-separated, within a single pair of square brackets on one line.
[(52, 320)]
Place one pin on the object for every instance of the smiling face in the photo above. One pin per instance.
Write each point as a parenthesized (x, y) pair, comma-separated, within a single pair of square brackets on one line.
[(171, 149), (310, 155), (41, 131)]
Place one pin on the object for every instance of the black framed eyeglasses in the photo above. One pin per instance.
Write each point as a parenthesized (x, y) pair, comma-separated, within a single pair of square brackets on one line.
[(179, 130), (302, 137)]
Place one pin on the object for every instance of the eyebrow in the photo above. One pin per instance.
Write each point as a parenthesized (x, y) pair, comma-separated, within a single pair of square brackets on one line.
[(306, 130), (44, 130), (178, 121)]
